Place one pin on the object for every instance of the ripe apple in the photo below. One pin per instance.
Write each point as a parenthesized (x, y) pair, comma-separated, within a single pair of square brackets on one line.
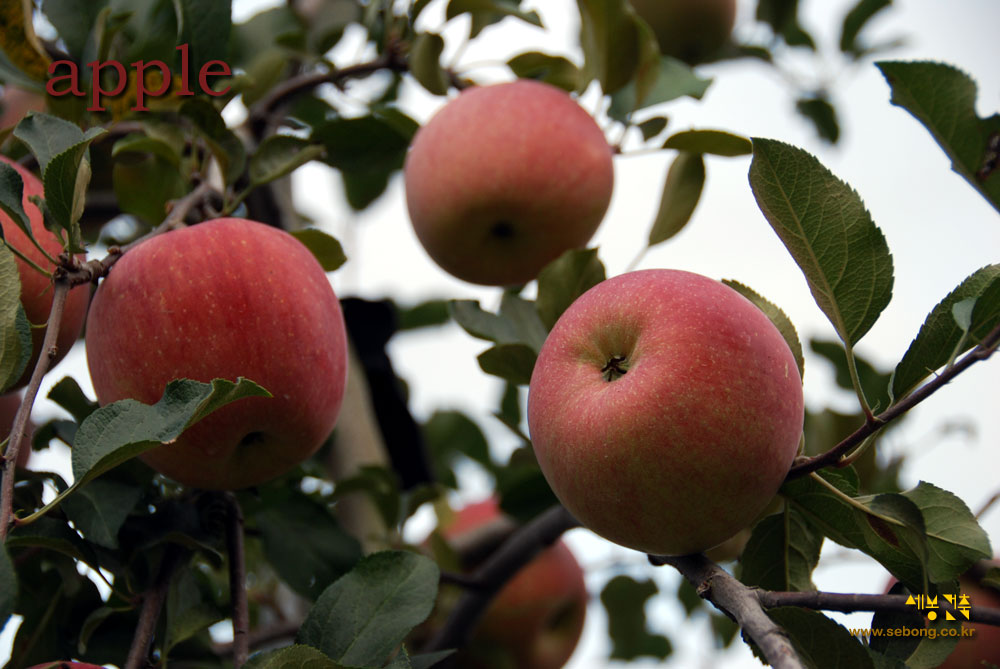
[(9, 404), (691, 30), (36, 288), (665, 410), (536, 620), (224, 299), (504, 179)]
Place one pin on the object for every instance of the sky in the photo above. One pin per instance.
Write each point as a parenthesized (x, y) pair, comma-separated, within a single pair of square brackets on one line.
[(938, 229)]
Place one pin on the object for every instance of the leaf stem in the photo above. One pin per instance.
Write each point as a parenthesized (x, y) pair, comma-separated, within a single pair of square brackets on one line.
[(852, 367)]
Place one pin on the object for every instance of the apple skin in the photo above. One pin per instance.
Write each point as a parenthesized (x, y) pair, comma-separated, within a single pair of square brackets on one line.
[(504, 179), (691, 443), (223, 299), (690, 30), (36, 288), (536, 619)]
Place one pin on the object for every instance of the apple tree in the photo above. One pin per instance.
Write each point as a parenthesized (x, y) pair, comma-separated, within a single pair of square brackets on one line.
[(160, 158)]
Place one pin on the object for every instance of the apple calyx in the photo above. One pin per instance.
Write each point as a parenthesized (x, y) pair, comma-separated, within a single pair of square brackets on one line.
[(615, 368)]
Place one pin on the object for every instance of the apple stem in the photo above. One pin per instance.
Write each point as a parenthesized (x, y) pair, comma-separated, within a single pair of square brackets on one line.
[(615, 368)]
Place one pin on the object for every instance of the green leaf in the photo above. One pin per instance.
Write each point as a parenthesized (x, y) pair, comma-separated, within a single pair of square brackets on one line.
[(564, 279), (674, 79), (326, 248), (555, 70), (825, 226), (782, 16), (15, 331), (955, 538), (820, 111), (874, 383), (716, 142), (226, 147), (487, 12), (652, 127), (362, 617), (124, 429), (204, 25), (292, 657), (448, 434), (304, 542), (425, 314), (144, 183), (782, 553), (777, 316), (73, 21), (624, 599), (854, 22), (939, 336), (141, 143), (188, 610), (681, 192), (609, 35), (511, 362), (517, 323), (8, 587), (943, 99), (12, 198), (425, 62), (821, 642), (916, 650), (279, 155), (99, 508)]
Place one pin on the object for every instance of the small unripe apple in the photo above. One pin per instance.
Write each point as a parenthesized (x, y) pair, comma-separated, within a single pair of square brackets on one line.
[(691, 30), (536, 619), (504, 179), (665, 410), (9, 404), (224, 299), (36, 288)]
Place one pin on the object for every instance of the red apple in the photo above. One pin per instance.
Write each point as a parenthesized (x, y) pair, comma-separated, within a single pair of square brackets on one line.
[(224, 299), (691, 30), (36, 288), (504, 179), (9, 404), (536, 620), (665, 410)]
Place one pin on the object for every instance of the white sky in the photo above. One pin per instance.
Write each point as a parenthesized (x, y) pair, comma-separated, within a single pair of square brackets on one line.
[(938, 229)]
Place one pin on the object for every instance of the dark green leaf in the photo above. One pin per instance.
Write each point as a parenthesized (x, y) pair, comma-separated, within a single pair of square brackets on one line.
[(425, 63), (279, 155), (144, 183), (53, 535), (124, 429), (609, 35), (652, 127), (524, 492), (781, 554), (448, 434), (681, 192), (564, 279), (328, 24), (428, 660), (99, 508), (777, 316), (511, 362), (821, 642), (822, 114), (73, 20), (625, 600), (8, 587), (939, 336), (12, 198), (381, 486), (304, 543), (674, 79), (716, 142), (188, 611), (917, 648), (292, 657), (425, 314), (943, 99), (517, 323), (825, 226), (782, 16), (142, 143), (204, 25), (362, 617), (524, 317), (226, 147), (487, 12), (15, 331), (554, 70), (874, 383), (327, 249), (855, 21)]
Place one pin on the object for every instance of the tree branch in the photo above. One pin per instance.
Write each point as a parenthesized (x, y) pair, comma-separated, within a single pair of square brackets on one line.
[(488, 579), (739, 602), (237, 582), (152, 603), (983, 351)]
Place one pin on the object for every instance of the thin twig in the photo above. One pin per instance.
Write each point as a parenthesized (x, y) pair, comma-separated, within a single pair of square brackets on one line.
[(152, 603), (738, 601), (523, 545), (832, 457), (237, 582)]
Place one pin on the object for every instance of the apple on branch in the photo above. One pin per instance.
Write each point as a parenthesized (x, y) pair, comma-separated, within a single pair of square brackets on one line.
[(665, 410), (504, 179), (224, 299), (36, 288)]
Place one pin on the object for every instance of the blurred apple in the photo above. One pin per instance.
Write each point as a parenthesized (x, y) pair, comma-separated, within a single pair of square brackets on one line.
[(16, 102), (504, 179), (223, 299), (36, 288), (536, 620), (665, 410), (691, 30)]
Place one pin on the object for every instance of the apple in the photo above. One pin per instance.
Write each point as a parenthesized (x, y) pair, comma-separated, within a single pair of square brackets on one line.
[(536, 619), (665, 410), (223, 299), (9, 404), (36, 288), (16, 102), (691, 30), (504, 179)]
